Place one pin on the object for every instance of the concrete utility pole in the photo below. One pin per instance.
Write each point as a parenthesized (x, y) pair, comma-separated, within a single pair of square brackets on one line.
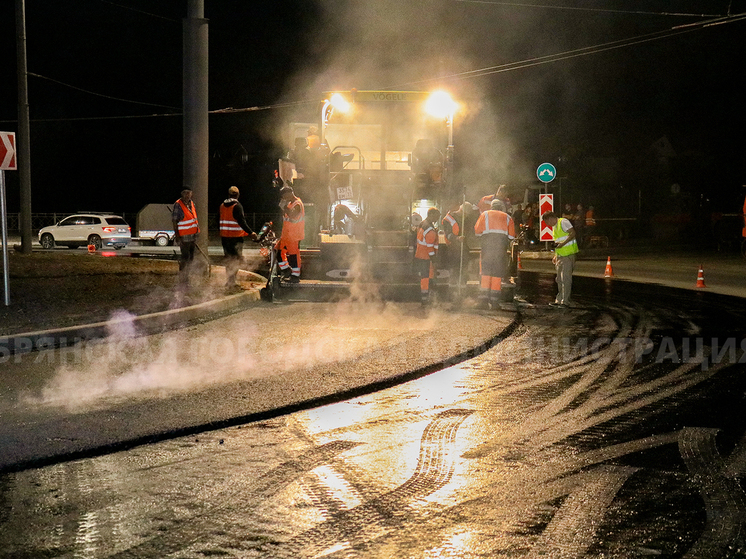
[(196, 128), (24, 129)]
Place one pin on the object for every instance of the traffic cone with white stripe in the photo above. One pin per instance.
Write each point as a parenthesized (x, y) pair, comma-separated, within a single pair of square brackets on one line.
[(520, 266), (701, 277), (608, 273)]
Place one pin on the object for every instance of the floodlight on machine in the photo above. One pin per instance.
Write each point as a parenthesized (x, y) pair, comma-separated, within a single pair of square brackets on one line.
[(440, 105), (335, 102), (339, 103)]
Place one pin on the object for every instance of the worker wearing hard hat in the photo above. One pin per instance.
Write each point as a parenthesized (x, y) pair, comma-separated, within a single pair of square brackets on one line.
[(496, 229)]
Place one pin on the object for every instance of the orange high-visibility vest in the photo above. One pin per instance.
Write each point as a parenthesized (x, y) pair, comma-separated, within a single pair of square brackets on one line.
[(590, 220), (188, 225), (454, 226), (229, 227), (427, 243), (495, 221), (294, 229), (485, 203)]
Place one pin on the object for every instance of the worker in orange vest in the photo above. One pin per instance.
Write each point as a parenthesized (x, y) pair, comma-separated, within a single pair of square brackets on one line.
[(458, 230), (293, 232), (496, 229), (424, 255), (233, 229), (501, 194), (186, 230)]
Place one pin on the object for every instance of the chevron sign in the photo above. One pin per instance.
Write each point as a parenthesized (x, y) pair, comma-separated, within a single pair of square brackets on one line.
[(546, 204), (8, 151)]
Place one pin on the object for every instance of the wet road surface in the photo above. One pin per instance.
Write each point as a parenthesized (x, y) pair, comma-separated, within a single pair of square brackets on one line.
[(614, 429)]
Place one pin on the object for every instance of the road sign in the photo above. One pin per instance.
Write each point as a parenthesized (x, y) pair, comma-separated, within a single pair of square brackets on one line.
[(546, 172), (8, 151), (7, 163), (546, 204)]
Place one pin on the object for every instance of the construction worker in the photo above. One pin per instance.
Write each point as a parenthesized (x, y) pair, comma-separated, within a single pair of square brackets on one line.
[(590, 224), (496, 229), (501, 194), (565, 251), (343, 220), (233, 228), (457, 225), (424, 256), (293, 232), (186, 229)]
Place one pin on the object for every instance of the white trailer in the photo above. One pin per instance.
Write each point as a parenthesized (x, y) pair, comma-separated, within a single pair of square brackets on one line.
[(154, 224)]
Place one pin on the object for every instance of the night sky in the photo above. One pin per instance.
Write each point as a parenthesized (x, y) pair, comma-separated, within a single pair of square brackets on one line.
[(95, 146)]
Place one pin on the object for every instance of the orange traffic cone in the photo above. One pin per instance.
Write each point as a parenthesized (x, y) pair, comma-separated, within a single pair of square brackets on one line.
[(520, 266), (701, 277), (609, 273), (91, 248)]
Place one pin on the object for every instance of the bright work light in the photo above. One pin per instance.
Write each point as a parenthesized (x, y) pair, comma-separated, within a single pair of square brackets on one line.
[(339, 103), (440, 105)]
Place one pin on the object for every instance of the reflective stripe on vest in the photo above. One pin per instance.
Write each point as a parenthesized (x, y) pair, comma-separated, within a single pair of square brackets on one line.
[(455, 229), (560, 235), (294, 229), (495, 221), (229, 227), (188, 225), (427, 243)]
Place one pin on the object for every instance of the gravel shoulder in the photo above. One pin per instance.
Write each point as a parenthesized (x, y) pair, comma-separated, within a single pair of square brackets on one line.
[(66, 288)]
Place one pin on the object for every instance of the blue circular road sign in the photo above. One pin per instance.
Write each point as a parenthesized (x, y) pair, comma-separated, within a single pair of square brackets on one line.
[(546, 172)]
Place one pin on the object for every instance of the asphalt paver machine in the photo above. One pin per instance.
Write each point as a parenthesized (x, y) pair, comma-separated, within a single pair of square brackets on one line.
[(368, 171)]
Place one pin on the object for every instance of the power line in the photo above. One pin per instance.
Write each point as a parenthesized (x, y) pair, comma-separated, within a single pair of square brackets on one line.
[(229, 110), (575, 8), (101, 94), (138, 11), (584, 51), (510, 66)]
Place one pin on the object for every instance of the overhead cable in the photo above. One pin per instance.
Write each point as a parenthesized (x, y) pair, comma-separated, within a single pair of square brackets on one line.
[(583, 51), (101, 94), (579, 9)]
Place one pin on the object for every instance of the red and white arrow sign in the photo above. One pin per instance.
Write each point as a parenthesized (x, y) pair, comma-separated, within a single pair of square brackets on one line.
[(8, 151), (546, 204)]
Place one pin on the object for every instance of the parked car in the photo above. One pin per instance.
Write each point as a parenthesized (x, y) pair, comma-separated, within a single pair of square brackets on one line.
[(85, 229)]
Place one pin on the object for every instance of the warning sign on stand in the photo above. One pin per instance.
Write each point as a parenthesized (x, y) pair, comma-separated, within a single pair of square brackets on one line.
[(546, 204)]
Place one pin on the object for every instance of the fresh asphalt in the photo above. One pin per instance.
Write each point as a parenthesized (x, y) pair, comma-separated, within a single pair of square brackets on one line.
[(270, 359)]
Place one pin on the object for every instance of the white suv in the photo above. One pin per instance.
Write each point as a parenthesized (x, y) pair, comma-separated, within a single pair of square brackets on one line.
[(87, 229)]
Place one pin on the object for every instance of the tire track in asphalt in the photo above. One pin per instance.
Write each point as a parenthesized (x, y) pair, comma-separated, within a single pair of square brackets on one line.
[(376, 517), (573, 528), (212, 518), (724, 499)]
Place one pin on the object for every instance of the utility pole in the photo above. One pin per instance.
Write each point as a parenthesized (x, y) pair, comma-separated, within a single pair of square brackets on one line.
[(195, 101), (24, 129)]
